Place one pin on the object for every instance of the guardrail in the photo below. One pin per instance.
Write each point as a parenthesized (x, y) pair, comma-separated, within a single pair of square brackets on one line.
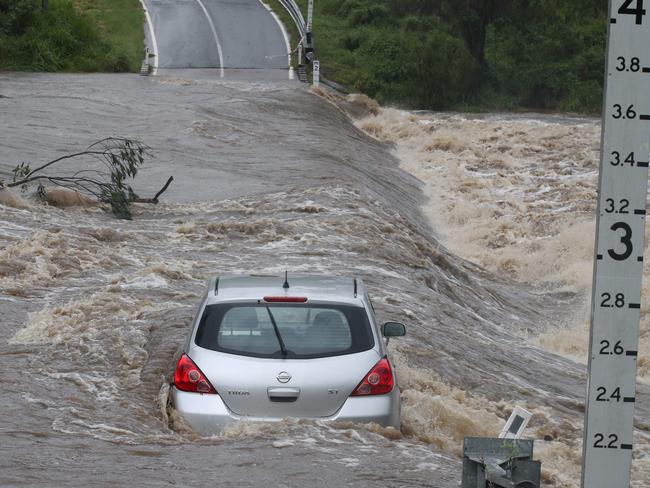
[(296, 15)]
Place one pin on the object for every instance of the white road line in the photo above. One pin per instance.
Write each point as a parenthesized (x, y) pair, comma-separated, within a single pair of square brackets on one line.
[(214, 33), (153, 36), (284, 34)]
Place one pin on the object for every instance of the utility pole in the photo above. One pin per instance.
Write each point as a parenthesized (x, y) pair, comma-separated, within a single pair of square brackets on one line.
[(46, 4), (618, 264), (310, 14), (309, 40)]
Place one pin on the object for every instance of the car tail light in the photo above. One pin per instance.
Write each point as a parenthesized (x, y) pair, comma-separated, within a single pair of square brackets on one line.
[(285, 299), (378, 381), (188, 377)]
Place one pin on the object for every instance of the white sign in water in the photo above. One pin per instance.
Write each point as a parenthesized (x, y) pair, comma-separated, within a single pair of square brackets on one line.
[(618, 267)]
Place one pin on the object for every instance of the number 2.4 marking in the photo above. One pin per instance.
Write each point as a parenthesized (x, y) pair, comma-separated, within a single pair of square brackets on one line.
[(603, 397)]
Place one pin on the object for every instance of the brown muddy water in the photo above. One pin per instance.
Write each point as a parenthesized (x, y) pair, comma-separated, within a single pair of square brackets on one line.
[(270, 176)]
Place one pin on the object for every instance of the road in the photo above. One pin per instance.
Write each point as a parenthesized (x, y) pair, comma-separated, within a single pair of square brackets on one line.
[(215, 34)]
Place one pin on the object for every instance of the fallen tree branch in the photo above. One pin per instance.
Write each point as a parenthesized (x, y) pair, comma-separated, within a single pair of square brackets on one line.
[(160, 192), (116, 159)]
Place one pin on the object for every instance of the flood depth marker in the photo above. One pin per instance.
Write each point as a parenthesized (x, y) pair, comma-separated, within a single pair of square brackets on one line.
[(618, 267)]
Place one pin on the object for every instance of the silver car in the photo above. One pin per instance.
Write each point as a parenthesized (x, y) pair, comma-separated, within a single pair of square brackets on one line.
[(263, 348)]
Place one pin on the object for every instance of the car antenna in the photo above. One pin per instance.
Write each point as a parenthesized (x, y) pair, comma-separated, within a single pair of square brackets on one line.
[(286, 281)]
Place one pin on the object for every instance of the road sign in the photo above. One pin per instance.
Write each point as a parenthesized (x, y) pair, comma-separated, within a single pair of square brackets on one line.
[(618, 267), (315, 71)]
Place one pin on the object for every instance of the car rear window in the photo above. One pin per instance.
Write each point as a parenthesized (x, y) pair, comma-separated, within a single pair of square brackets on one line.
[(307, 331)]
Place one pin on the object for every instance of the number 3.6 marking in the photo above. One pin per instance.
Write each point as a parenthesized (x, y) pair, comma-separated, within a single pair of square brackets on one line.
[(626, 240)]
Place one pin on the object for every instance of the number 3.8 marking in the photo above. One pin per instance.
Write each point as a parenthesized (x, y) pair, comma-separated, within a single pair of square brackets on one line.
[(634, 66)]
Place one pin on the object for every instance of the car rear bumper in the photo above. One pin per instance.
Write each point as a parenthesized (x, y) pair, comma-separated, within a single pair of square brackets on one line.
[(208, 414)]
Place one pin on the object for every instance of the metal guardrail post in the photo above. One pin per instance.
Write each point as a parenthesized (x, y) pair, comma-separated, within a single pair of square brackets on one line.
[(310, 14), (295, 13)]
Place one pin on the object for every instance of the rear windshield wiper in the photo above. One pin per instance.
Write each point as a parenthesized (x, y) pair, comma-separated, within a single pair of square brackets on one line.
[(283, 348)]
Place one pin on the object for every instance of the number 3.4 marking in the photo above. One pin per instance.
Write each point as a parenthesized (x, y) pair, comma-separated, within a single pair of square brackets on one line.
[(633, 7), (616, 159)]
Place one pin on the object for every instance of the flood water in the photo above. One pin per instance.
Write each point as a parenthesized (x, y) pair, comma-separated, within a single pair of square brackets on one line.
[(485, 257)]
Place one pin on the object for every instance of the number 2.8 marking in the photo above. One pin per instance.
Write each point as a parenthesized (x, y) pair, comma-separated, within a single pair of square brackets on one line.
[(617, 302)]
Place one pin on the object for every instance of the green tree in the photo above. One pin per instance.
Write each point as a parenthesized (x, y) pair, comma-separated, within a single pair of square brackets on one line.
[(16, 16), (472, 18)]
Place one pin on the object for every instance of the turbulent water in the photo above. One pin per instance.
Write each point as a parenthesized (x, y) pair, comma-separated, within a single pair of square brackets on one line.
[(271, 177)]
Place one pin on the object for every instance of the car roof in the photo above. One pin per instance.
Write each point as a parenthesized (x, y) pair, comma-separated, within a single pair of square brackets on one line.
[(314, 287)]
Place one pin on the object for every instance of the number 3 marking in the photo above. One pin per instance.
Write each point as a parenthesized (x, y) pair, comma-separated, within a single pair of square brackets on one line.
[(625, 239)]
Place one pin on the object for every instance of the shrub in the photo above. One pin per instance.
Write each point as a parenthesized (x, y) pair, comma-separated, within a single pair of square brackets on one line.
[(17, 15), (61, 39)]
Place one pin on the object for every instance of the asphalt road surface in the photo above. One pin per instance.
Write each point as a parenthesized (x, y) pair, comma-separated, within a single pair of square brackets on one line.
[(215, 34)]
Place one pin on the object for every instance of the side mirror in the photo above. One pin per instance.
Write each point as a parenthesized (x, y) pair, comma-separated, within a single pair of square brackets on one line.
[(393, 329)]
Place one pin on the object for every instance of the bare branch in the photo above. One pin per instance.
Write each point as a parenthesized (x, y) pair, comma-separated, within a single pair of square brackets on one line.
[(160, 192)]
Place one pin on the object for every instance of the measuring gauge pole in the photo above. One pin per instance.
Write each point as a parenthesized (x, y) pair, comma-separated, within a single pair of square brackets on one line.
[(618, 267)]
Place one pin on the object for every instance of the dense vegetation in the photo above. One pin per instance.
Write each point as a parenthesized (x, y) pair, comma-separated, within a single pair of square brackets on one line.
[(85, 35), (504, 54)]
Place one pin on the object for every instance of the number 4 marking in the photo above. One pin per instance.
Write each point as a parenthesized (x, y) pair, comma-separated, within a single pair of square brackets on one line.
[(638, 11)]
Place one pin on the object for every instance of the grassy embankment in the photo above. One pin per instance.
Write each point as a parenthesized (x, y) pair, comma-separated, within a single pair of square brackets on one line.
[(79, 36), (455, 54)]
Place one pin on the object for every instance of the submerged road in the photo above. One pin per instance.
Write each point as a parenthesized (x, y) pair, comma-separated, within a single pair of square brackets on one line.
[(215, 34)]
